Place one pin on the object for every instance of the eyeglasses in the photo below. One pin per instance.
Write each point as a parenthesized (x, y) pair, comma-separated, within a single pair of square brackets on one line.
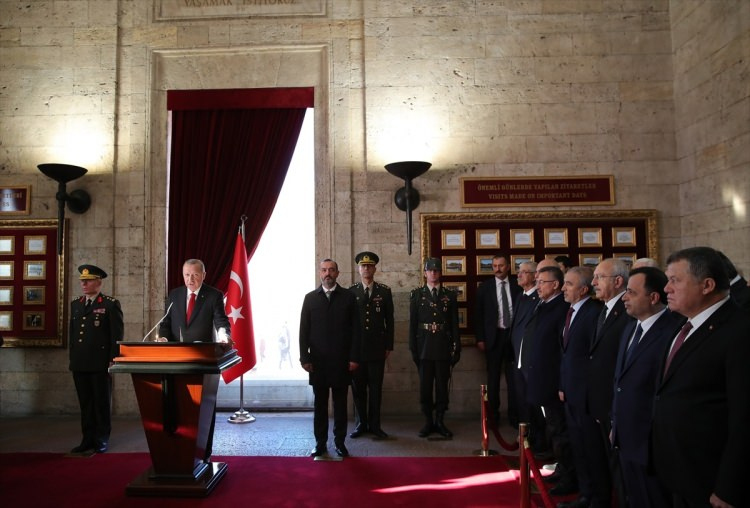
[(524, 271), (543, 281), (597, 277)]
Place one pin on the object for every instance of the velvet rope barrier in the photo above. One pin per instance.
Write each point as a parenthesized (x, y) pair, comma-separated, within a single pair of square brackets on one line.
[(528, 463), (487, 424)]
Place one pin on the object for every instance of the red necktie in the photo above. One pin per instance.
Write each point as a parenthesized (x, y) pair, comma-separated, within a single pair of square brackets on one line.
[(191, 304), (678, 342), (567, 326)]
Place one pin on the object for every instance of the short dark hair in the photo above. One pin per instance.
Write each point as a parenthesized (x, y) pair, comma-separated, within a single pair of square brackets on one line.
[(655, 281), (703, 263), (728, 265), (556, 273), (565, 260), (503, 256)]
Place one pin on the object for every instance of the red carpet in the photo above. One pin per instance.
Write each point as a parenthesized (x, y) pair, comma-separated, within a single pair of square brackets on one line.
[(45, 479)]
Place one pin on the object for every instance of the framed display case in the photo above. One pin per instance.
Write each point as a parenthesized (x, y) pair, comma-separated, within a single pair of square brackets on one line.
[(586, 237), (32, 284)]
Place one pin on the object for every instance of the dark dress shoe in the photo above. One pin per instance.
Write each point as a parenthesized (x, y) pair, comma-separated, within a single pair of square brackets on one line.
[(581, 502), (379, 433), (82, 448), (443, 430), (102, 447), (341, 450), (318, 451), (564, 488), (358, 431), (426, 430)]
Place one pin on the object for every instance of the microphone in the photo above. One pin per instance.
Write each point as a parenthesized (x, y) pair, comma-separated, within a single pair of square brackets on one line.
[(158, 322)]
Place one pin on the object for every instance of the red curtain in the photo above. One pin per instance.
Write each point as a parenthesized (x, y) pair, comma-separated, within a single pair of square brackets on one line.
[(224, 163)]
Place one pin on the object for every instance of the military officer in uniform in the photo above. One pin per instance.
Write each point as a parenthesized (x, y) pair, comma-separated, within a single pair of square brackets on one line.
[(435, 345), (95, 327), (375, 304)]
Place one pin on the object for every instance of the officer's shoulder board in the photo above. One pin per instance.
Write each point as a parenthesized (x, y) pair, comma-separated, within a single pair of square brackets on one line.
[(355, 285), (380, 284)]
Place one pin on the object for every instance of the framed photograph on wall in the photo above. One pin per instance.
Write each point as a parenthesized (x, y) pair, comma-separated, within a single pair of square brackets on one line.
[(454, 265), (590, 260), (36, 274), (462, 320), (35, 270), (454, 239), (555, 237), (459, 288), (484, 265), (6, 320), (488, 238), (589, 237), (33, 295), (35, 245), (518, 260), (623, 237), (6, 270), (629, 258), (521, 238), (33, 320), (7, 245), (6, 295)]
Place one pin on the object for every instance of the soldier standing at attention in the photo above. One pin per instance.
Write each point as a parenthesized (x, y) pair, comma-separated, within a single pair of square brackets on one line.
[(435, 345), (375, 304), (95, 327)]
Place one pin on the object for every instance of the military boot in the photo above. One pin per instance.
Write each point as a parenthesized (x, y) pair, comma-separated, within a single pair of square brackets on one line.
[(440, 426)]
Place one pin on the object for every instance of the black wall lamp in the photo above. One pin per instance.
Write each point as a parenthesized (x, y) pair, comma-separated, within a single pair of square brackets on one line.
[(407, 197), (78, 201)]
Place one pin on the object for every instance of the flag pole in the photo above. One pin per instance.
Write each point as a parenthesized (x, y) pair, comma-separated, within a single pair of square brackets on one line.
[(242, 416)]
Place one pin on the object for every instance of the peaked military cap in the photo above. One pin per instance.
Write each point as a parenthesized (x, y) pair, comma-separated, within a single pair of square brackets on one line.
[(366, 258), (91, 272), (433, 264)]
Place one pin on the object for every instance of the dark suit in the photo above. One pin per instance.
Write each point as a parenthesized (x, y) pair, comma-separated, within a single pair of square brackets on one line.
[(701, 412), (496, 339), (93, 335), (208, 314), (523, 309), (573, 376), (434, 342), (741, 293), (632, 407), (329, 339), (540, 363), (376, 319), (599, 387)]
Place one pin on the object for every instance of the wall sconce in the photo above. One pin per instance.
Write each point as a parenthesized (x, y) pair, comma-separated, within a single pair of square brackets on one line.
[(407, 197), (78, 201)]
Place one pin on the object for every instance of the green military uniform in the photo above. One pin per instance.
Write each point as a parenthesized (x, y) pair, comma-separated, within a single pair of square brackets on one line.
[(375, 306), (435, 346), (94, 331)]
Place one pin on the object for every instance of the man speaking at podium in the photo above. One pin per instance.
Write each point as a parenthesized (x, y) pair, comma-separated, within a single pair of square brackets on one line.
[(196, 310), (196, 314)]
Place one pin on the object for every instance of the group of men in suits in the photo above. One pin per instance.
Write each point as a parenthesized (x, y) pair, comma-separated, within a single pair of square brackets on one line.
[(636, 419)]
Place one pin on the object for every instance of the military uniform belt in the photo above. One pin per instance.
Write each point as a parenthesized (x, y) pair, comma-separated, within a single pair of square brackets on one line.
[(433, 327)]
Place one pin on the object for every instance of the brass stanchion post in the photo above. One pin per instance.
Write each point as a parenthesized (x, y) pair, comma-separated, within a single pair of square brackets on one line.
[(485, 450)]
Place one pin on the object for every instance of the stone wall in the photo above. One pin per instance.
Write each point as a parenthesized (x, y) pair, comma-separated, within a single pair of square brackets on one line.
[(478, 88), (711, 44)]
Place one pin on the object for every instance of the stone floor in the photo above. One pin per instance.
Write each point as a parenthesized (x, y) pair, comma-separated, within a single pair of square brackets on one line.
[(271, 434)]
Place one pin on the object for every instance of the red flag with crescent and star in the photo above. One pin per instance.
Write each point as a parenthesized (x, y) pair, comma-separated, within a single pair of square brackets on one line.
[(238, 311)]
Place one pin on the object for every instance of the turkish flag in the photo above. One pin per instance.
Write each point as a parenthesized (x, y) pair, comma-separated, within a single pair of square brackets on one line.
[(240, 316)]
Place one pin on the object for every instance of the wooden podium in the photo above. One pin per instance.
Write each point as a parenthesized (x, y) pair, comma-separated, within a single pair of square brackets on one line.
[(176, 385)]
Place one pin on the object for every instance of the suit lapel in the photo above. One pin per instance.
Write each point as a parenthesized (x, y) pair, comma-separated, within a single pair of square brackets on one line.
[(613, 315), (697, 339)]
